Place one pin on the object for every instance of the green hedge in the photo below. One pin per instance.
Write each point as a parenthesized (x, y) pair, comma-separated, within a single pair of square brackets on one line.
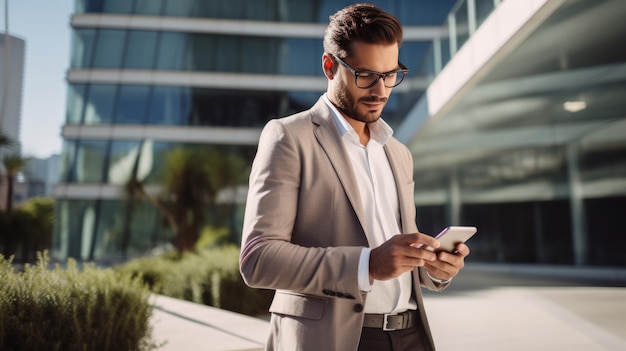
[(209, 277), (72, 309)]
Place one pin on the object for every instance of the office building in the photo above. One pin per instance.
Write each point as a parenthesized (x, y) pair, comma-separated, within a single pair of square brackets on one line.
[(492, 111), (12, 50), (523, 134), (41, 175)]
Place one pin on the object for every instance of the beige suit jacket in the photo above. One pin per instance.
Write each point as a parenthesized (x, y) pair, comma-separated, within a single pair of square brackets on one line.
[(304, 229)]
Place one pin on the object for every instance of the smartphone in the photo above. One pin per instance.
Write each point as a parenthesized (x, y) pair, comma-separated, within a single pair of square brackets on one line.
[(451, 236)]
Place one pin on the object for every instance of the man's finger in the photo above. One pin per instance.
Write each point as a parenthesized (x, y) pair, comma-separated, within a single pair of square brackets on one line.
[(419, 240)]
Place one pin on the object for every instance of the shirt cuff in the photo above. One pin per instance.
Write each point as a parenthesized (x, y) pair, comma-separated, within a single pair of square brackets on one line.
[(364, 270), (437, 280)]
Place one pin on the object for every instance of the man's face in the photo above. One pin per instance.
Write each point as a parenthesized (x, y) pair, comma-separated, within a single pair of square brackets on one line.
[(364, 105)]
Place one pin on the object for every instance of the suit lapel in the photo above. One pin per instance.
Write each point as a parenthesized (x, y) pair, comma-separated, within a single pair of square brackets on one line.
[(328, 136)]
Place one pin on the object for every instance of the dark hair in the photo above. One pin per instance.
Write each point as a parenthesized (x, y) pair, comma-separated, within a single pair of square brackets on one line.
[(360, 22)]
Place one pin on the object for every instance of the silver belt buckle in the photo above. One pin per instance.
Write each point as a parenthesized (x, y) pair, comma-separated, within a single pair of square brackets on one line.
[(386, 321)]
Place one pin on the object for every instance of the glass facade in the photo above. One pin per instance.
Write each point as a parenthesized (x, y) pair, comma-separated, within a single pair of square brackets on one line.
[(106, 104), (535, 154), (410, 12), (95, 218), (175, 51)]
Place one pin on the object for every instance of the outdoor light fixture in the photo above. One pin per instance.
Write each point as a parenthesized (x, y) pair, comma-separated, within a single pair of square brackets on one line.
[(574, 106)]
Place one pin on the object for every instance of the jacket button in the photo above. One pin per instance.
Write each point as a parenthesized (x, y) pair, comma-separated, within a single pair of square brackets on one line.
[(358, 308), (328, 292)]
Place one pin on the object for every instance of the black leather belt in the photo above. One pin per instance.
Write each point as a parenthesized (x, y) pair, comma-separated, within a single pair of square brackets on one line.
[(391, 321)]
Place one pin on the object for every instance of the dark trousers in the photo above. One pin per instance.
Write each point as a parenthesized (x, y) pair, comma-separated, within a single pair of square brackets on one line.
[(374, 339)]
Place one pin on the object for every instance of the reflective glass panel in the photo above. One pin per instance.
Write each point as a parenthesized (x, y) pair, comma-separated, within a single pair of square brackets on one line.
[(462, 25), (206, 107), (100, 104), (149, 7), (118, 6), (109, 47), (132, 104), (140, 50), (74, 234), (124, 158), (146, 230), (113, 221), (182, 8), (89, 5), (156, 151), (169, 105), (483, 9), (90, 160), (82, 47), (75, 103), (171, 51), (67, 160), (410, 12), (292, 56)]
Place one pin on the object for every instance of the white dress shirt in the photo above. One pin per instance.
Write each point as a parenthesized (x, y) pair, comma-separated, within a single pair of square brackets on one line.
[(382, 212)]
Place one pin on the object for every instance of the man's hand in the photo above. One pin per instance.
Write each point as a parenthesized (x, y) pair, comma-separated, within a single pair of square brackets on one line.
[(401, 254), (447, 265)]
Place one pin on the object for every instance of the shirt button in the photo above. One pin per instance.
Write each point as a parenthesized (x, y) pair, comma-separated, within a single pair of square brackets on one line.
[(358, 308)]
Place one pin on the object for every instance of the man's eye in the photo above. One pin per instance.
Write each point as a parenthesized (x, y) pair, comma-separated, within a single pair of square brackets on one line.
[(365, 74)]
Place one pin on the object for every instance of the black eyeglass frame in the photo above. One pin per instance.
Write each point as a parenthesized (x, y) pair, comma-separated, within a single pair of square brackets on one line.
[(403, 70)]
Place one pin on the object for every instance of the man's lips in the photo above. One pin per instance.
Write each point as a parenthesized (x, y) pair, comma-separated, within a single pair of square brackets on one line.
[(374, 104)]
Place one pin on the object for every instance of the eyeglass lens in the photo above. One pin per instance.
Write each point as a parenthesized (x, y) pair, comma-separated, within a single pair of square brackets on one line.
[(367, 79)]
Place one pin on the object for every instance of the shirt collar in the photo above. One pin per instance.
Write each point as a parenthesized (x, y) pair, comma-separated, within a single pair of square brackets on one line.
[(380, 131)]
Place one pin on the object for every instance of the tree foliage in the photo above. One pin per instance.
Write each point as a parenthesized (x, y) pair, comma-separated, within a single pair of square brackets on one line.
[(193, 177), (13, 163)]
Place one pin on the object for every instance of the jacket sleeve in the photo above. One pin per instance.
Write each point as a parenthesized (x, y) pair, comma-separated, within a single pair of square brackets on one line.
[(269, 258)]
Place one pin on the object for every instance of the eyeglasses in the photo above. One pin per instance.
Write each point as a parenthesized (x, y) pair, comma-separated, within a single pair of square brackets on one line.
[(367, 79)]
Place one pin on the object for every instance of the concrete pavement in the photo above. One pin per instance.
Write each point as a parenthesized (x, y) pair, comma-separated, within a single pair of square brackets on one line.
[(483, 310), (187, 326)]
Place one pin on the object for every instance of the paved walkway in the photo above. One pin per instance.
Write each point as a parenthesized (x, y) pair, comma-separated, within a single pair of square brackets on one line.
[(187, 326), (481, 311), (523, 319)]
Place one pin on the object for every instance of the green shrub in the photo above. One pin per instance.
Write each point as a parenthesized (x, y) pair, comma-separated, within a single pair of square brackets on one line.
[(27, 229), (210, 277), (72, 309)]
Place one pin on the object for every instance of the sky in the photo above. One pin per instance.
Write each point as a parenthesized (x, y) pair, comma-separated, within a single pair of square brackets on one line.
[(45, 26)]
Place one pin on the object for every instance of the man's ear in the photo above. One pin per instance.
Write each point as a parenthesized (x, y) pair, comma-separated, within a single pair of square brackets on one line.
[(328, 65)]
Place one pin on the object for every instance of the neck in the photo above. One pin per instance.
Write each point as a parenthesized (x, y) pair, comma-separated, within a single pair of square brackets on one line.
[(361, 129)]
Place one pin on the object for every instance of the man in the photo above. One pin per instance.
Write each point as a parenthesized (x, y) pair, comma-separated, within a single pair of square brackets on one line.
[(330, 192)]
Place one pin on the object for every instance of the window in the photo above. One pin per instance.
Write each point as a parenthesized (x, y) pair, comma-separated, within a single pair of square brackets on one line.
[(100, 104), (109, 47), (132, 103), (140, 50)]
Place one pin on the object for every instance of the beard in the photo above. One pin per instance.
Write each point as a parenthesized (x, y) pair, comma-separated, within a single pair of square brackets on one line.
[(348, 105)]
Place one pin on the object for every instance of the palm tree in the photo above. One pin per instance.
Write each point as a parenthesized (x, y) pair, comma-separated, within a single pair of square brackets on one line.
[(13, 164), (193, 177), (5, 140)]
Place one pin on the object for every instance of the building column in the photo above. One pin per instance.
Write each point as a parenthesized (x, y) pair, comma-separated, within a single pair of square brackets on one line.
[(577, 208), (437, 56), (452, 34), (454, 199), (471, 16)]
